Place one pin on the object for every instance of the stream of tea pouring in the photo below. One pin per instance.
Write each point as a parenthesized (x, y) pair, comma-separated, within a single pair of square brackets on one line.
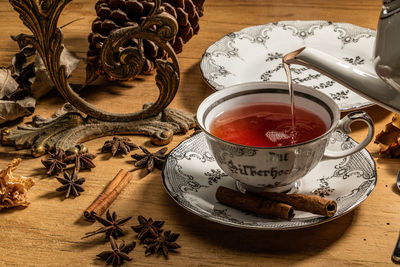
[(286, 67)]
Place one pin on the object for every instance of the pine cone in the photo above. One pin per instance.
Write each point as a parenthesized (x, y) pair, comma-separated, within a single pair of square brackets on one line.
[(116, 14)]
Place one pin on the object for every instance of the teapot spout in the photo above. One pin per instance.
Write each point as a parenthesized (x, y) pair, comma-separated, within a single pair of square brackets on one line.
[(362, 80)]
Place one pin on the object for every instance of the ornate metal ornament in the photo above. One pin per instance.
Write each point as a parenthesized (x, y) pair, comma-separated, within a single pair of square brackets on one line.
[(83, 121), (68, 127)]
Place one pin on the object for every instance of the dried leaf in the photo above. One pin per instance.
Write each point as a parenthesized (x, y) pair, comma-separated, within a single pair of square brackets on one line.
[(24, 80), (43, 83), (11, 110), (23, 72), (10, 91), (20, 59), (7, 84)]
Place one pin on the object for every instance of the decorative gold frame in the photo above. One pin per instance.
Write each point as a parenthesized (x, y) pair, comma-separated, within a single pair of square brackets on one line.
[(80, 121)]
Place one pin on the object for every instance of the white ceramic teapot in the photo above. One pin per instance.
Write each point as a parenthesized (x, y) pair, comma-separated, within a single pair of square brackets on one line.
[(379, 83)]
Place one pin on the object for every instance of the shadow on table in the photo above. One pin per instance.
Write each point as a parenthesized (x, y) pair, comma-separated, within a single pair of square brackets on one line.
[(307, 241), (189, 87), (11, 154)]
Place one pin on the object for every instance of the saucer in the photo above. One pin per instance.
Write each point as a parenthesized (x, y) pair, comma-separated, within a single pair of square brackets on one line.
[(255, 54), (191, 177)]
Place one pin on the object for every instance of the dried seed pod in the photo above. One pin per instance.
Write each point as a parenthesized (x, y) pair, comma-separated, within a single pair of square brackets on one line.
[(114, 14)]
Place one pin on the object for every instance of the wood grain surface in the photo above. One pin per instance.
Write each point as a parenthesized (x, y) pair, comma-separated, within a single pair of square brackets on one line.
[(49, 231)]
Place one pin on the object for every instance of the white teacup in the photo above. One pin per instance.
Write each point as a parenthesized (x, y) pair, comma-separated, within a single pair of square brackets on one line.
[(276, 168)]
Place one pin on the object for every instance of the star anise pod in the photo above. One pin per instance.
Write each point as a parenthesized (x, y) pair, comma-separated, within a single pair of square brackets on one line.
[(121, 145), (111, 225), (55, 162), (147, 228), (150, 160), (118, 253), (81, 160), (71, 184), (161, 244)]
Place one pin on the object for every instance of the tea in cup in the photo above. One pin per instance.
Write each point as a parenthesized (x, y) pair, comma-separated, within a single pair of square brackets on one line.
[(248, 128)]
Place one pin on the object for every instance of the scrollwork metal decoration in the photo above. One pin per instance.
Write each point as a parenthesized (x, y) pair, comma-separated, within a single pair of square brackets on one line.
[(119, 62)]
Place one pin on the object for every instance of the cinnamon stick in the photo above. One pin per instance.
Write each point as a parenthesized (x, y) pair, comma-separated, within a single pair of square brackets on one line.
[(255, 204), (311, 203), (109, 194)]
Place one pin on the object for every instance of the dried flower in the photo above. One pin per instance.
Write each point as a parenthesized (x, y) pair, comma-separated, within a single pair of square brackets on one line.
[(118, 253), (389, 138), (119, 145), (111, 225), (13, 189), (150, 160), (55, 162), (147, 228), (162, 244), (71, 184), (81, 160)]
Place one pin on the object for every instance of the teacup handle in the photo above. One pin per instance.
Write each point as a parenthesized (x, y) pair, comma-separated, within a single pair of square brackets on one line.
[(344, 126)]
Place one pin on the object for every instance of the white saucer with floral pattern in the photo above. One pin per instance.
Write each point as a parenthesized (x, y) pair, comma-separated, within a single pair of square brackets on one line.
[(191, 177), (255, 54)]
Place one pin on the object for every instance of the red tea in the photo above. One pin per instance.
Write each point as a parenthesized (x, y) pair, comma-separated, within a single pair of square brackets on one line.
[(267, 125)]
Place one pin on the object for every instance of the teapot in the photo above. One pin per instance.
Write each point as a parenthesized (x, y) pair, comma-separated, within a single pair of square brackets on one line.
[(379, 82)]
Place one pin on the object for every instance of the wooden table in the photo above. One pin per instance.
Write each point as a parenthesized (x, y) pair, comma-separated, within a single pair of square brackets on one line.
[(49, 231)]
